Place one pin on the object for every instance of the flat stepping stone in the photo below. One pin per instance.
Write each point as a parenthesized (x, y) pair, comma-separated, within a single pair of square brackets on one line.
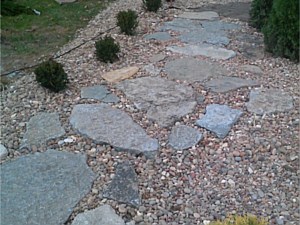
[(99, 92), (165, 101), (120, 74), (181, 25), (3, 152), (225, 84), (104, 214), (107, 125), (124, 186), (219, 119), (42, 128), (152, 70), (203, 36), (157, 58), (206, 15), (266, 101), (160, 36), (252, 69), (43, 187), (183, 137), (204, 50), (193, 70)]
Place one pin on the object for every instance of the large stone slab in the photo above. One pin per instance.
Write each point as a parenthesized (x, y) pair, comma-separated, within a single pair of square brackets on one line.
[(120, 74), (219, 119), (101, 215), (105, 124), (99, 92), (225, 84), (3, 152), (42, 128), (205, 15), (266, 101), (160, 36), (204, 36), (124, 186), (43, 188), (204, 50), (193, 70), (165, 101), (183, 137)]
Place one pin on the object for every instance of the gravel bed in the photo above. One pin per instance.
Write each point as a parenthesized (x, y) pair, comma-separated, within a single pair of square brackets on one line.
[(255, 169)]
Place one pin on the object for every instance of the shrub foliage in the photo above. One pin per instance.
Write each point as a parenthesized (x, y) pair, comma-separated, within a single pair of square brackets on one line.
[(152, 5), (51, 75), (107, 49), (281, 32), (127, 21), (259, 12), (241, 220)]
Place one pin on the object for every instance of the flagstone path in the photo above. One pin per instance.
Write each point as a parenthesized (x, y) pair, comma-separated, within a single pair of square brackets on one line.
[(47, 186)]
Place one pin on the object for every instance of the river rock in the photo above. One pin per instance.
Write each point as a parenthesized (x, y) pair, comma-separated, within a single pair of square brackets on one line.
[(193, 70), (225, 84), (124, 186), (266, 101), (219, 119), (42, 128), (104, 214), (43, 188), (165, 101), (120, 74), (107, 125), (183, 137)]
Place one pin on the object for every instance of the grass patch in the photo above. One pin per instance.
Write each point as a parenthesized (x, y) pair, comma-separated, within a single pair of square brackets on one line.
[(28, 37)]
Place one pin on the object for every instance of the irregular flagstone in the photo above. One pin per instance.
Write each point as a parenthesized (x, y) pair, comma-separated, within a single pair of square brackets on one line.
[(203, 36), (3, 152), (206, 15), (121, 74), (219, 119), (99, 92), (43, 187), (225, 84), (124, 186), (204, 50), (105, 124), (266, 101), (181, 25), (183, 137), (104, 214), (165, 101), (157, 58), (252, 69), (160, 36), (42, 128), (193, 70), (153, 70)]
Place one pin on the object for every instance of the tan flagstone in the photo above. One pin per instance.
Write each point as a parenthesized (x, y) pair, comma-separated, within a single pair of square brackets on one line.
[(121, 74)]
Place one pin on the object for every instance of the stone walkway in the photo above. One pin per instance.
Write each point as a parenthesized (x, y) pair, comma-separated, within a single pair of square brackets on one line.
[(55, 181)]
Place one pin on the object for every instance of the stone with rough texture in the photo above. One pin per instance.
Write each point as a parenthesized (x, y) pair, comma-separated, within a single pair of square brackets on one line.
[(206, 15), (107, 125), (193, 70), (43, 188), (104, 214), (204, 50), (42, 128), (165, 101), (157, 58), (121, 74), (225, 84), (160, 36), (219, 119), (99, 92), (183, 137), (252, 69), (153, 70), (124, 186), (203, 36), (266, 101), (3, 152)]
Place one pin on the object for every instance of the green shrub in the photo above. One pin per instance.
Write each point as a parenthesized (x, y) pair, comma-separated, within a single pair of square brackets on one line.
[(259, 12), (281, 32), (107, 49), (51, 75), (127, 21), (152, 5), (241, 220)]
